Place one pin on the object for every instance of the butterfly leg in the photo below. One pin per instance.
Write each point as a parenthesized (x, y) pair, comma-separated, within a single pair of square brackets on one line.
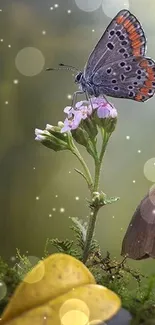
[(80, 92), (89, 99), (107, 101)]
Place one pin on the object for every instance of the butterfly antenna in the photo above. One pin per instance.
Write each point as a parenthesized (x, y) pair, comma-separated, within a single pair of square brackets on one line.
[(63, 67)]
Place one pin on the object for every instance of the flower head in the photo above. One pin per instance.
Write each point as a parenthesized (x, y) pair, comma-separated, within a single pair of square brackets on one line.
[(75, 115), (104, 109), (71, 124), (85, 110)]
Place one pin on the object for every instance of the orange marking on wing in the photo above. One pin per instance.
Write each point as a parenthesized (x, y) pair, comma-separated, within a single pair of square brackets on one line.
[(151, 76), (144, 91), (131, 29), (137, 43), (136, 52), (120, 19), (148, 83), (144, 64), (149, 70), (133, 36), (138, 97), (127, 23), (150, 73)]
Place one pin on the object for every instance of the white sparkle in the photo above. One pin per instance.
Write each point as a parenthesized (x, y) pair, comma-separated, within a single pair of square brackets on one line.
[(13, 258), (6, 102), (51, 8), (139, 151), (56, 5), (0, 10), (93, 30), (37, 198), (1, 40), (128, 137), (69, 96), (54, 209), (44, 32), (50, 215), (69, 11), (113, 217), (69, 172), (9, 45), (121, 229), (56, 195), (134, 181), (77, 198), (15, 81), (34, 168), (62, 210)]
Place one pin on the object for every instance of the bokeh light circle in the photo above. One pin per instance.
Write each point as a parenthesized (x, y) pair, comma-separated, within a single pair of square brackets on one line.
[(152, 194), (36, 273), (74, 311), (75, 317), (88, 5), (147, 208), (96, 322), (29, 61), (112, 7), (149, 169), (3, 290)]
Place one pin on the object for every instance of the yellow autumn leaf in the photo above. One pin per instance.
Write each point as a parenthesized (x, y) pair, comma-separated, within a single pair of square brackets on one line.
[(66, 295)]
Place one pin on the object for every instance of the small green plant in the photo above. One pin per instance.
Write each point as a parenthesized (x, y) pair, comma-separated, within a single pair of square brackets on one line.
[(83, 125)]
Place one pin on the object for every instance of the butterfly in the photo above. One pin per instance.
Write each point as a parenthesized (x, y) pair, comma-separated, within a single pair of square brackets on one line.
[(118, 67)]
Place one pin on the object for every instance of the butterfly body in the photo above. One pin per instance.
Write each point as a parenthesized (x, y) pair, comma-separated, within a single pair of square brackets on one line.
[(117, 67)]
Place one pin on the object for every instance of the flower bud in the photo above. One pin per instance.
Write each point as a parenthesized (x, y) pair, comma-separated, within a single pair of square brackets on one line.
[(82, 137), (52, 138)]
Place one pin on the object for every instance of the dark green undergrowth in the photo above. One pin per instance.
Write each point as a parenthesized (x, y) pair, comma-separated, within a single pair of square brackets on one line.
[(136, 290)]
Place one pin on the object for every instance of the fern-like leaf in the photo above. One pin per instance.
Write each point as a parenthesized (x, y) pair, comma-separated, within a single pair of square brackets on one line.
[(63, 246), (80, 230)]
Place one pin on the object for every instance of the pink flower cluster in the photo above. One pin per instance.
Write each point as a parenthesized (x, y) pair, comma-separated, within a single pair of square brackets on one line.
[(84, 109)]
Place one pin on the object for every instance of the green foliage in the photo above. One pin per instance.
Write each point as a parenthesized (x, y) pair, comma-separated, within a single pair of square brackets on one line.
[(23, 264), (74, 248), (115, 275), (111, 273), (10, 277)]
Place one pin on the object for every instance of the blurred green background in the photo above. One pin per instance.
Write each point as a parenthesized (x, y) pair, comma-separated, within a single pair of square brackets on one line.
[(33, 179)]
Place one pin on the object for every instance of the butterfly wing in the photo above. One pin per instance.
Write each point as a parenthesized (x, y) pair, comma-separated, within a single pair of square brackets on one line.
[(117, 66), (132, 78), (124, 37), (139, 240)]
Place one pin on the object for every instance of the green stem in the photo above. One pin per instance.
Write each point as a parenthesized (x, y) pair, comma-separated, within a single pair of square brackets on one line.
[(90, 232), (84, 165), (98, 162), (93, 215)]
